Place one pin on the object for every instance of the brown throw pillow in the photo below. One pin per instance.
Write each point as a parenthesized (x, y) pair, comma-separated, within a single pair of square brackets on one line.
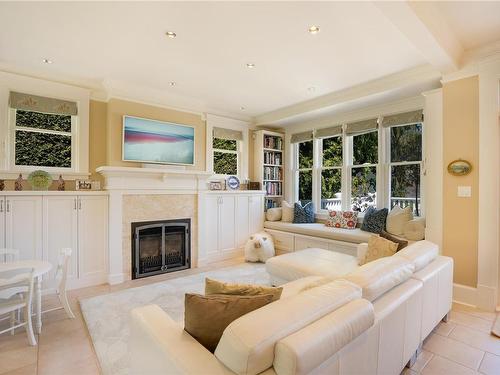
[(206, 317), (401, 243), (219, 287)]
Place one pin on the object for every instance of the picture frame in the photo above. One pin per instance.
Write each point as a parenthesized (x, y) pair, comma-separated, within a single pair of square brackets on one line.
[(83, 184), (459, 167), (215, 185)]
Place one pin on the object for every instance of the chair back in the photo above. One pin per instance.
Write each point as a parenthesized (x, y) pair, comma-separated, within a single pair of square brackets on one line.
[(9, 255), (17, 280), (62, 268)]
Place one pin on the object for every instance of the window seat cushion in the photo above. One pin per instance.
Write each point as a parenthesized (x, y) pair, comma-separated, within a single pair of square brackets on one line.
[(320, 230)]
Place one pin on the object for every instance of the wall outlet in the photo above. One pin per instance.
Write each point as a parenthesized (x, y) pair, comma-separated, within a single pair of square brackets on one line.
[(464, 191)]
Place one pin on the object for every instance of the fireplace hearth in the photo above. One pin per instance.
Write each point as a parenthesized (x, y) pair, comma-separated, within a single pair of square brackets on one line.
[(160, 247)]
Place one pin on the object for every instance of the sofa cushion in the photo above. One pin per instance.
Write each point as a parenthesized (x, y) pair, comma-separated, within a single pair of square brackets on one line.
[(401, 242), (303, 214), (311, 262), (286, 212), (305, 350), (342, 219), (415, 229), (420, 253), (292, 288), (247, 345), (381, 275), (206, 317), (397, 219), (319, 230), (378, 247), (220, 287), (274, 214), (374, 220)]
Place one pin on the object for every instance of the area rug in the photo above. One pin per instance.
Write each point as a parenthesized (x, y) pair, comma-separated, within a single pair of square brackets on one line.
[(107, 316)]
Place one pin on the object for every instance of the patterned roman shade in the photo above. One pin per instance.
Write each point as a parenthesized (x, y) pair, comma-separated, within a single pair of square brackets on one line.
[(361, 127), (36, 103), (406, 118), (301, 137), (329, 132), (223, 133)]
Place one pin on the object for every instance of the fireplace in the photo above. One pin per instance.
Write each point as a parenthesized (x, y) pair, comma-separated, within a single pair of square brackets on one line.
[(160, 247)]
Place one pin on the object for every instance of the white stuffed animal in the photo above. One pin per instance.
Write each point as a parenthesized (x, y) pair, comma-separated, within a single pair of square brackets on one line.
[(259, 248)]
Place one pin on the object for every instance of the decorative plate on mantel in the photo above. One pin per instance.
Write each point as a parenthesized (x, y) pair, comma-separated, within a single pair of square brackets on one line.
[(233, 183), (40, 180)]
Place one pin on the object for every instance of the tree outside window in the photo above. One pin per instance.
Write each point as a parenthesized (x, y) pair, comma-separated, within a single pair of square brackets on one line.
[(225, 156)]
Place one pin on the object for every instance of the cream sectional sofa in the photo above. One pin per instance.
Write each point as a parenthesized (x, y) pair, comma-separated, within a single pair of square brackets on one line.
[(370, 321)]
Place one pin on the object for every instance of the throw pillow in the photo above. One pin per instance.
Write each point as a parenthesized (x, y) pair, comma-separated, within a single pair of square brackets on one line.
[(415, 229), (378, 247), (206, 317), (374, 220), (273, 214), (401, 243), (397, 219), (303, 214), (219, 287), (287, 212), (342, 219)]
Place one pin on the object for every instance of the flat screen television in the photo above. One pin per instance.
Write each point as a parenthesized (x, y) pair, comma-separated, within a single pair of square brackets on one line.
[(151, 141)]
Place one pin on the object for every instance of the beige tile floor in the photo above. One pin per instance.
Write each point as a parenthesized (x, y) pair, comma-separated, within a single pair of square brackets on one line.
[(461, 346)]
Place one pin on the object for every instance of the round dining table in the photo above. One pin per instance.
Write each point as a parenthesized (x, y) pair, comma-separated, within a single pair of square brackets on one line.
[(40, 268)]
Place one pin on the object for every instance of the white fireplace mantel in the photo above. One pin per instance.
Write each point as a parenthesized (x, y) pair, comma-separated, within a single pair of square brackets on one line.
[(136, 178)]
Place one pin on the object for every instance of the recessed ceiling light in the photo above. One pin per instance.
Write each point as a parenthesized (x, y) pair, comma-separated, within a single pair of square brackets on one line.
[(311, 89), (313, 29), (250, 65), (242, 108), (172, 83), (47, 61), (171, 34)]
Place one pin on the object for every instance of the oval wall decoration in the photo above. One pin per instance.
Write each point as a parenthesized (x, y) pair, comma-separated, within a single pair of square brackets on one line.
[(459, 167)]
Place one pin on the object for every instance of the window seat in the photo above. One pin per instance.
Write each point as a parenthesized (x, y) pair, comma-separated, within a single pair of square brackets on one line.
[(321, 230)]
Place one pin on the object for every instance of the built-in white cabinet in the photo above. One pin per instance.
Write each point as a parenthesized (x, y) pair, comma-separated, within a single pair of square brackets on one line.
[(41, 225), (227, 219)]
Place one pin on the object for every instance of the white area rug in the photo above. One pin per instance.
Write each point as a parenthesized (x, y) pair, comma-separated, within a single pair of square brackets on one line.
[(107, 315)]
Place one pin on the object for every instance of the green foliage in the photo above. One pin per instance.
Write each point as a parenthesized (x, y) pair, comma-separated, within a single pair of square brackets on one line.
[(225, 163), (332, 152), (365, 148), (43, 150), (305, 186), (224, 144), (306, 154), (45, 121), (406, 143)]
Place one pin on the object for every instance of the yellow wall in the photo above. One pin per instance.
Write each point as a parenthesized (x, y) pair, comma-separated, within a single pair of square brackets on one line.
[(116, 108), (97, 138), (461, 141)]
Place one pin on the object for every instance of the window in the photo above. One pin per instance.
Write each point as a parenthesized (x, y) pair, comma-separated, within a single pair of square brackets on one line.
[(405, 166), (225, 156), (305, 167), (331, 173), (364, 171), (42, 139)]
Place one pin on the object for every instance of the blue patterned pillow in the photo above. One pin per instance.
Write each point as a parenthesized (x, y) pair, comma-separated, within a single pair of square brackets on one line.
[(374, 220), (303, 214)]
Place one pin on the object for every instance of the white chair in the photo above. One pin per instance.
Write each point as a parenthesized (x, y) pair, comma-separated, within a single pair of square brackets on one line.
[(60, 277), (9, 255), (16, 292)]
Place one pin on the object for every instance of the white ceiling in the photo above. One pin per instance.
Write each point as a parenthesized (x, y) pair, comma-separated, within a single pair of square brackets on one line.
[(121, 47)]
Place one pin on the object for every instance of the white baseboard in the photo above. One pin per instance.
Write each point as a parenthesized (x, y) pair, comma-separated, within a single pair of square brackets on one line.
[(116, 278), (464, 294)]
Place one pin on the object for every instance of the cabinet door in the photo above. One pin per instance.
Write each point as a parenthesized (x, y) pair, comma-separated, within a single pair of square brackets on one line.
[(227, 223), (60, 230), (92, 237), (256, 211), (2, 222), (242, 220), (23, 225), (211, 222)]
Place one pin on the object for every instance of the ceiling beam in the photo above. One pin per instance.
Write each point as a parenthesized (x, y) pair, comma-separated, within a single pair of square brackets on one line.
[(422, 24), (397, 80)]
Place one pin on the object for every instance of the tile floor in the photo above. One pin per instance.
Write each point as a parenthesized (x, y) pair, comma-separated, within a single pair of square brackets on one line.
[(461, 346)]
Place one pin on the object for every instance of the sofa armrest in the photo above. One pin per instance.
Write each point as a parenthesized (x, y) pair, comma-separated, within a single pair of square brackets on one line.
[(160, 345), (361, 251)]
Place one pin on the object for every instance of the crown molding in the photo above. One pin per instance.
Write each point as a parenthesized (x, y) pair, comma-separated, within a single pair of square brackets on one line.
[(409, 77)]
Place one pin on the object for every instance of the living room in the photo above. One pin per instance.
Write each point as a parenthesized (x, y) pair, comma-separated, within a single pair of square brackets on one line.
[(249, 187)]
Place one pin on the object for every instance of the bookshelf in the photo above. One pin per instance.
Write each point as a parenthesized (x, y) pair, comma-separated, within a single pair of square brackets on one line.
[(269, 165)]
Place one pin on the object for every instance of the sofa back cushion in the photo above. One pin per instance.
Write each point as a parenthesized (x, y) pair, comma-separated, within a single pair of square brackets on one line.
[(305, 350), (247, 344), (420, 253), (381, 275)]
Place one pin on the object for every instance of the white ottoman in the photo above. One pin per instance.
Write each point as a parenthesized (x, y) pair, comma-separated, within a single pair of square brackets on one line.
[(309, 262)]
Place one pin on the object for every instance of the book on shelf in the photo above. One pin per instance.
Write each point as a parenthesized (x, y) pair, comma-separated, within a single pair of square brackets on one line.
[(273, 158), (272, 173), (272, 203), (273, 142), (273, 188)]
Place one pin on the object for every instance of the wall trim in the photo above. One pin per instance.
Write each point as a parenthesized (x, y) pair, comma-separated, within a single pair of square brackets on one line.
[(464, 294)]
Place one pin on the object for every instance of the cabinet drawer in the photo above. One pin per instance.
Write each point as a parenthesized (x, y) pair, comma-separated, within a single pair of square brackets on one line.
[(282, 240), (302, 243)]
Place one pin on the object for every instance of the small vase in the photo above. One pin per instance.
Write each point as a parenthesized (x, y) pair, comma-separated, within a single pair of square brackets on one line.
[(18, 186)]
